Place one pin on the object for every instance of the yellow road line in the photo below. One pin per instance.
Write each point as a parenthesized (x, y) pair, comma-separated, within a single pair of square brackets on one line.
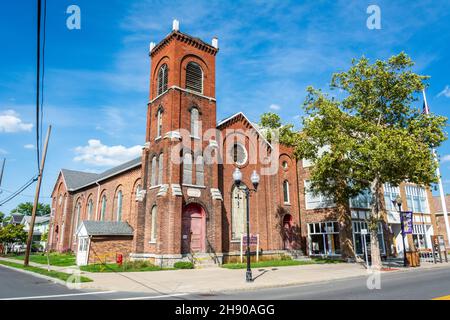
[(442, 298)]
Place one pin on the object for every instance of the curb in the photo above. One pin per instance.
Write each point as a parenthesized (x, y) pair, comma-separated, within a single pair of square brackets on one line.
[(37, 275)]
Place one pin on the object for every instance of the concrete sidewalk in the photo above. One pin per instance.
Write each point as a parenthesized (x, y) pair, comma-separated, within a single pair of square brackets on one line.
[(213, 280), (219, 279), (69, 269)]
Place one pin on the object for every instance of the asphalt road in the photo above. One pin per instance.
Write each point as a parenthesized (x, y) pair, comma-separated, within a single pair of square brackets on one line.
[(417, 284)]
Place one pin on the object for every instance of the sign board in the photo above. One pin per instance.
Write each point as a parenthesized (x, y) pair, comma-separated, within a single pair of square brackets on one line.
[(406, 218), (364, 232), (254, 240), (438, 246)]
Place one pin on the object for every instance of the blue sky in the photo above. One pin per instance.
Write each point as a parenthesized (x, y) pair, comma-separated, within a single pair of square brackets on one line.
[(96, 78)]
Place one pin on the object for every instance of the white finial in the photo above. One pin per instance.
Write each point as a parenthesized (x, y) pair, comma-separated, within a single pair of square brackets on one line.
[(175, 25), (215, 42), (152, 45)]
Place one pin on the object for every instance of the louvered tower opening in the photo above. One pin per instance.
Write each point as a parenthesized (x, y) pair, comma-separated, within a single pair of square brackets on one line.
[(194, 77)]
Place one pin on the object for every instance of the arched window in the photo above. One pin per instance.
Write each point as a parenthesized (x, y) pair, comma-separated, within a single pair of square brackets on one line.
[(159, 123), (119, 205), (163, 77), (194, 123), (153, 178), (187, 168), (78, 214), (90, 209), (199, 171), (138, 192), (103, 212), (239, 154), (286, 191), (194, 77), (238, 212), (160, 168), (153, 231)]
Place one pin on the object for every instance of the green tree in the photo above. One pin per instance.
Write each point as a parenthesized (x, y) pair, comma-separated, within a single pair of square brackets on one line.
[(2, 217), (272, 126), (11, 234), (26, 208), (374, 136)]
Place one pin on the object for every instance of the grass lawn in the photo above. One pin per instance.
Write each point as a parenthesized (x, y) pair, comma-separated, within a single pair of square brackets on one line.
[(56, 259), (54, 274), (113, 267), (278, 263)]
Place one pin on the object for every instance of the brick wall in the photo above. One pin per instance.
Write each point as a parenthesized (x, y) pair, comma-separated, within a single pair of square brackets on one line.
[(105, 249)]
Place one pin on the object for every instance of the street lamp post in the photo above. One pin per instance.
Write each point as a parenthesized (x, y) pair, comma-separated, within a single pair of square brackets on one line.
[(398, 202), (237, 177)]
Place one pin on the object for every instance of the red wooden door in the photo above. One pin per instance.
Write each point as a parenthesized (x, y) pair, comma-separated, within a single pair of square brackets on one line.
[(193, 230)]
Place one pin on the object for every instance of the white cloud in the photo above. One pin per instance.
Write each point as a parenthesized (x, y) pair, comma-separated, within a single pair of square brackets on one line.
[(98, 154), (3, 151), (11, 122), (445, 158), (445, 92), (29, 146), (274, 107)]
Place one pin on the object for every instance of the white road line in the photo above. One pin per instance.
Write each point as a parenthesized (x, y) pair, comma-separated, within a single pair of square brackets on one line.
[(155, 297), (59, 295)]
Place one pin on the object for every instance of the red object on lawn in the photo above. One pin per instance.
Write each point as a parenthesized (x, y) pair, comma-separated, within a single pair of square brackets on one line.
[(119, 259)]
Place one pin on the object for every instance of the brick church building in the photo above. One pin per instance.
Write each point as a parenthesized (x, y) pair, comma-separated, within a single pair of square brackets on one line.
[(178, 201)]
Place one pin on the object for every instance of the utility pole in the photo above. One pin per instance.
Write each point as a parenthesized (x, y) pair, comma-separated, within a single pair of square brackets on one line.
[(1, 172), (36, 199)]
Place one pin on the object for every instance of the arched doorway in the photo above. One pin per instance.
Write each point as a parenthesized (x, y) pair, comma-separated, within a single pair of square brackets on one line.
[(193, 229), (287, 235)]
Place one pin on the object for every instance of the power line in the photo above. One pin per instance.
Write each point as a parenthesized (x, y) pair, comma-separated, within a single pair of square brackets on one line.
[(16, 193), (38, 65), (22, 194), (43, 72)]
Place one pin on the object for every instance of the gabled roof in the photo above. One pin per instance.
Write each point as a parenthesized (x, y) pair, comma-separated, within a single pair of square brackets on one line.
[(75, 179), (39, 219), (241, 115), (78, 179), (106, 228), (16, 218)]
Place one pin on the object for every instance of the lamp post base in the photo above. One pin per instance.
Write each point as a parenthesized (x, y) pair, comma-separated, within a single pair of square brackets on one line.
[(248, 276)]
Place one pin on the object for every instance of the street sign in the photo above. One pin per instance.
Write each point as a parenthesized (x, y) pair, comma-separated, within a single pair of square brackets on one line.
[(407, 221)]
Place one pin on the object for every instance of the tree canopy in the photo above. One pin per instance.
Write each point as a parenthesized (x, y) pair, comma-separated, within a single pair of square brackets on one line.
[(26, 208), (372, 136), (272, 126)]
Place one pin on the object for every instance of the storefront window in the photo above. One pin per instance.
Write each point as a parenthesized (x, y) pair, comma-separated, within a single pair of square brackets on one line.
[(358, 237), (420, 237), (324, 238)]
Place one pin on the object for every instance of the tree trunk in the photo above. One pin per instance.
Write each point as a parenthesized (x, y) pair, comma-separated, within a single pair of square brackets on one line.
[(345, 233), (373, 224)]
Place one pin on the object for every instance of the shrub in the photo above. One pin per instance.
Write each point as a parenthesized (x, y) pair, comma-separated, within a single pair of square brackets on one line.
[(183, 265)]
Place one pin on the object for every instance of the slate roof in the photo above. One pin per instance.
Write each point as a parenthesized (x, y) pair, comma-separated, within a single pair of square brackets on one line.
[(17, 218), (107, 228), (39, 219), (78, 179)]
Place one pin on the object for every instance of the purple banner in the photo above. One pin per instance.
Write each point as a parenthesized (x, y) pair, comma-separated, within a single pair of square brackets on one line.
[(407, 220)]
